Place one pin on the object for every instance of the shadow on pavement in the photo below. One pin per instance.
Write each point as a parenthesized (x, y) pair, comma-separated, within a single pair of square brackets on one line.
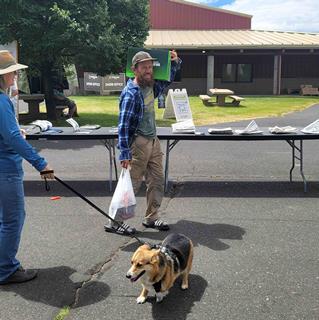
[(216, 189), (54, 287), (245, 189), (87, 188), (65, 144), (208, 235), (178, 303)]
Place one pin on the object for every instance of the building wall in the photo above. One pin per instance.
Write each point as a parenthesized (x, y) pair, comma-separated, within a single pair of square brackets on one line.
[(297, 69), (263, 65), (306, 65), (194, 73), (262, 86), (295, 83), (197, 86), (194, 86), (193, 66), (262, 80), (165, 14)]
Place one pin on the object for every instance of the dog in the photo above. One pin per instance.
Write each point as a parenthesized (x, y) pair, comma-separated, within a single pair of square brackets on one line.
[(158, 266)]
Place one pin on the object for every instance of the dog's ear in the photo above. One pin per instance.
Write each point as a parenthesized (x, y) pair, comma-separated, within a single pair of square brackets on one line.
[(145, 246), (154, 258)]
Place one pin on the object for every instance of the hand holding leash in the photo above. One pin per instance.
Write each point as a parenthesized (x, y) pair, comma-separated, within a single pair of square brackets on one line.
[(47, 173)]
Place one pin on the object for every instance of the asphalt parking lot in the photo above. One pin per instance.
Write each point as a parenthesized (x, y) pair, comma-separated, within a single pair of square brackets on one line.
[(255, 234)]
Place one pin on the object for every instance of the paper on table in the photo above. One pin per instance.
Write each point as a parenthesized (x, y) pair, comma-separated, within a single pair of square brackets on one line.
[(31, 129), (44, 125), (220, 130), (114, 130), (90, 127), (186, 126), (82, 129), (252, 128), (312, 127), (286, 129), (74, 124), (39, 126), (82, 132)]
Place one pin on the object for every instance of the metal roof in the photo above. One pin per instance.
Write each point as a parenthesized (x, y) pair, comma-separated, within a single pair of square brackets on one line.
[(231, 39)]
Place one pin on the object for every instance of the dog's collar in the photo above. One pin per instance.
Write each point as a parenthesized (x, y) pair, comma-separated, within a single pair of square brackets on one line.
[(169, 254)]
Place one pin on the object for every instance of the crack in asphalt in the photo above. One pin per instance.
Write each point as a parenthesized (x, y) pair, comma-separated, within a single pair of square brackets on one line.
[(99, 269)]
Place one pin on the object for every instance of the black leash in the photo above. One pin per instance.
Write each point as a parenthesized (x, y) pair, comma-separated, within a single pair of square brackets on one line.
[(47, 188)]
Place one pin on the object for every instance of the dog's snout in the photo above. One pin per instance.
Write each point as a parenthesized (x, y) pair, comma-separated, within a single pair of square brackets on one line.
[(128, 276)]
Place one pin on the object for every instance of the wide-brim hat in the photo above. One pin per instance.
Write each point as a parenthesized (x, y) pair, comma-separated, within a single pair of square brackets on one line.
[(142, 56), (8, 63)]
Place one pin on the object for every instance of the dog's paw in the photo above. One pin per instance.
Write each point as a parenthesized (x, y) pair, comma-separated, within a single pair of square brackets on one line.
[(184, 286), (160, 296), (165, 293), (140, 300)]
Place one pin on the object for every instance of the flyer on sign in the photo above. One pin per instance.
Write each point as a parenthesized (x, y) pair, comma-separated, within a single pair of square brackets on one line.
[(177, 106)]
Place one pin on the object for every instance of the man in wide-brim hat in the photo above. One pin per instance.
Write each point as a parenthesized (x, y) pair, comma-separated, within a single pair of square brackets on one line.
[(13, 149)]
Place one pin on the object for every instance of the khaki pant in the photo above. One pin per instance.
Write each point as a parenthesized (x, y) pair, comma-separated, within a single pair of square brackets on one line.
[(147, 162)]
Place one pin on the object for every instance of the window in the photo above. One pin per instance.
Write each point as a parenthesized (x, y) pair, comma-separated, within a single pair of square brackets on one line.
[(229, 73), (244, 72), (237, 72)]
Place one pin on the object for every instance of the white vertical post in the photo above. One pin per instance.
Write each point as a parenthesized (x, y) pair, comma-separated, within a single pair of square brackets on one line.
[(277, 75), (210, 73)]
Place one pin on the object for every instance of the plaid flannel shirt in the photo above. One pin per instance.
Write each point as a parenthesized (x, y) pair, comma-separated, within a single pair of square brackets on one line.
[(132, 110)]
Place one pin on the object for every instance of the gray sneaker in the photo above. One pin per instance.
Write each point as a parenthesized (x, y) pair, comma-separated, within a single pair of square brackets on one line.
[(21, 275)]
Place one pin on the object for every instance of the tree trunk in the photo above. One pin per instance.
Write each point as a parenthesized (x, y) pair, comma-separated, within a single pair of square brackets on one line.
[(47, 86)]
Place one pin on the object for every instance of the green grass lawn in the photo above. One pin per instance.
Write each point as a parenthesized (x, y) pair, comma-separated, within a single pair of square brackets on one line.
[(103, 110)]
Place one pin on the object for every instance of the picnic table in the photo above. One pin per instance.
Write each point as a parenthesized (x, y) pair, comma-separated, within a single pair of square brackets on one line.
[(221, 95), (33, 101)]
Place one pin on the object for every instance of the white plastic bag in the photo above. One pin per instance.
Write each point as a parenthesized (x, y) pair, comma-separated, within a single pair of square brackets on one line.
[(123, 203)]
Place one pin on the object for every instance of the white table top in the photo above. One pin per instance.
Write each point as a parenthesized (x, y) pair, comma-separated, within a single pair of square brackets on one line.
[(216, 91)]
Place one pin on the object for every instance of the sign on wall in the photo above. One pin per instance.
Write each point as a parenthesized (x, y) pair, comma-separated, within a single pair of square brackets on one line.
[(92, 82), (113, 82)]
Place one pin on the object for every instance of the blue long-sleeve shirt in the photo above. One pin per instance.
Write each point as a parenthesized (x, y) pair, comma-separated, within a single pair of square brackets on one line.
[(13, 147), (132, 110)]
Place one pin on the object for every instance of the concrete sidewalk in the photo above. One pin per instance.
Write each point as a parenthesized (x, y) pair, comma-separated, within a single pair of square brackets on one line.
[(255, 234)]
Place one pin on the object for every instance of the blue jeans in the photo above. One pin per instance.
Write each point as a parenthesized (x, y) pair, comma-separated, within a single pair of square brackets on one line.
[(12, 216)]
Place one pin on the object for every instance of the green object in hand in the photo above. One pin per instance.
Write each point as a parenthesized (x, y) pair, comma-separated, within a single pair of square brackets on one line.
[(162, 66)]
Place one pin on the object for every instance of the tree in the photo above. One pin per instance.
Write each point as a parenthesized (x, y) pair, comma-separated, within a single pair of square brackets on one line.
[(93, 34)]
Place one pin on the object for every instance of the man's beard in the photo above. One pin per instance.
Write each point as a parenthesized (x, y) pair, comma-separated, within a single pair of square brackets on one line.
[(143, 83)]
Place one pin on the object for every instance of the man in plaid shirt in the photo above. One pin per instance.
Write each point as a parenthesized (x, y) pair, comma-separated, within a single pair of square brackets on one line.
[(139, 146)]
